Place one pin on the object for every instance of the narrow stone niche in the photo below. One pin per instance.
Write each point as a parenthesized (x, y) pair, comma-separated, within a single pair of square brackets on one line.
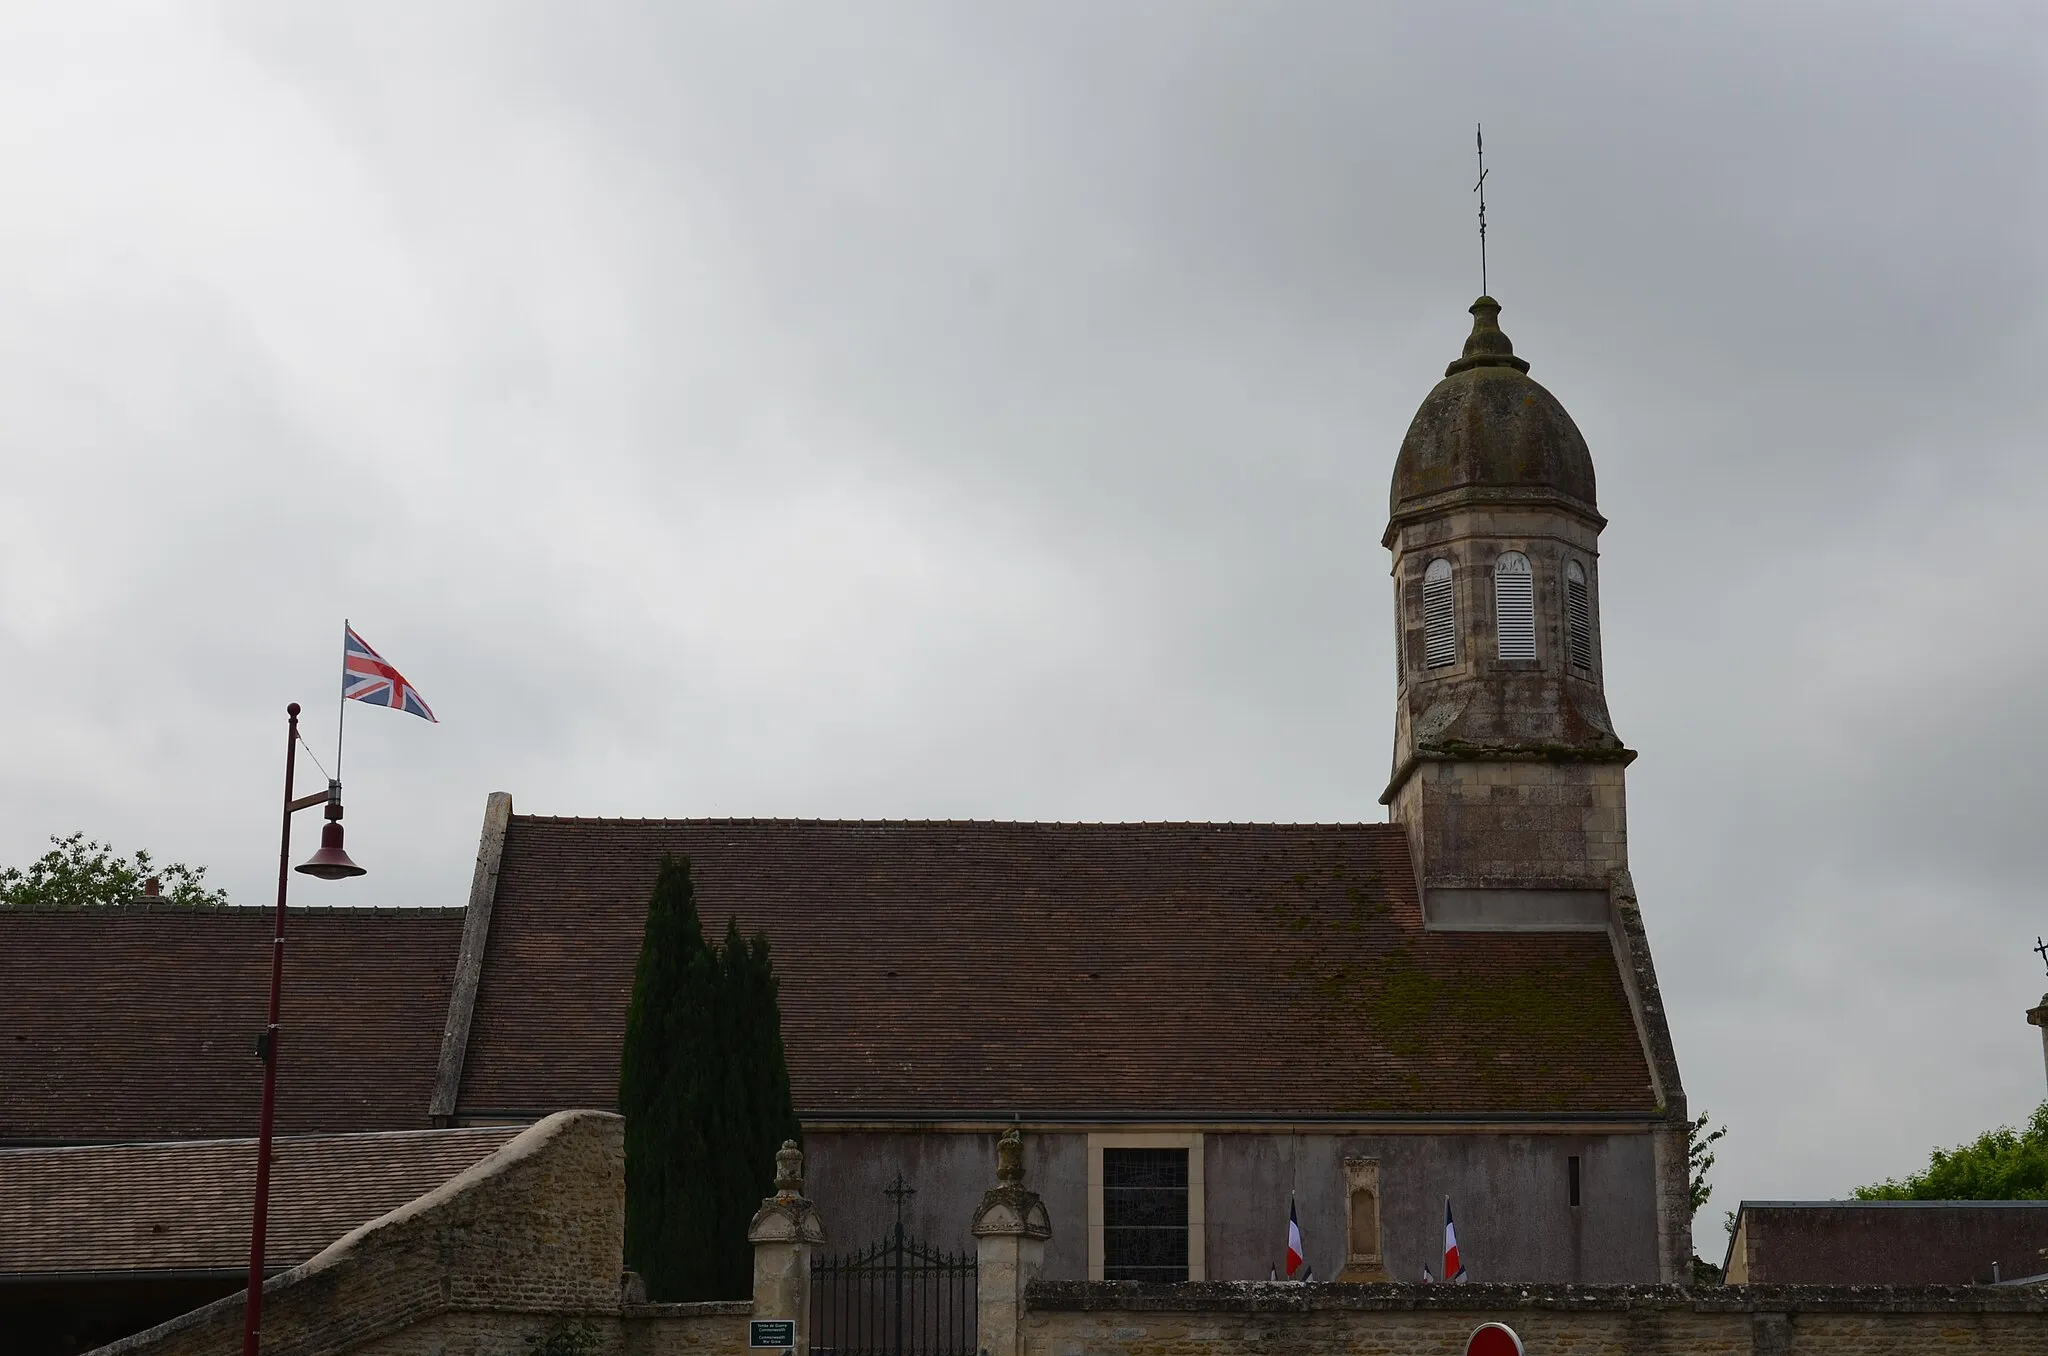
[(1363, 1260)]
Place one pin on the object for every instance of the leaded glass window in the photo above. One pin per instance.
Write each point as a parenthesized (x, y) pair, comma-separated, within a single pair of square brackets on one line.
[(1145, 1214)]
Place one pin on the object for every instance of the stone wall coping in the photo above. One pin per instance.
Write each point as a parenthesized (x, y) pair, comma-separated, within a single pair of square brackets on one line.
[(688, 1309), (1214, 1297), (529, 1143)]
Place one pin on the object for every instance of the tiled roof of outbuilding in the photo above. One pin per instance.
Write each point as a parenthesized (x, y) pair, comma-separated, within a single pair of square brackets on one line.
[(140, 1023), (976, 969), (184, 1204)]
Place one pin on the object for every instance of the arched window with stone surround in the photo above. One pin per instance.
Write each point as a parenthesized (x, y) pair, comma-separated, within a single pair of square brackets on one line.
[(1514, 606), (1439, 616), (1578, 616)]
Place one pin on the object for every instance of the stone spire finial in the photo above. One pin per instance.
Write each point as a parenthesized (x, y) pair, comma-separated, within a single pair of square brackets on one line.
[(789, 1169), (1487, 346)]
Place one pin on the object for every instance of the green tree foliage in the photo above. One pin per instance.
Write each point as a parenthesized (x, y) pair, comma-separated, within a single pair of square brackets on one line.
[(1999, 1165), (1699, 1156), (704, 1087), (78, 873)]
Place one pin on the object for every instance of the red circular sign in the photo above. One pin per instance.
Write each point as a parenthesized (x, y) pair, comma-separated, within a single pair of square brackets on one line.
[(1494, 1339)]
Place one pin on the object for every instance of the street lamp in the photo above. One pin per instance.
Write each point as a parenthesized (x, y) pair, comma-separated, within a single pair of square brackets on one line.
[(331, 862)]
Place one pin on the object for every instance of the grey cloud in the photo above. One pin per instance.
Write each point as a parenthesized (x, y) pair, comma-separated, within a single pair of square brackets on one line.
[(987, 410)]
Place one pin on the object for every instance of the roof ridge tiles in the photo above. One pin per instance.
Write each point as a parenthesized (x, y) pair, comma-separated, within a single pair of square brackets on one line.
[(244, 1141), (237, 910), (779, 822)]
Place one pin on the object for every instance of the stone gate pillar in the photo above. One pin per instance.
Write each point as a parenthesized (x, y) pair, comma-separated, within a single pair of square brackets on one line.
[(1010, 1229), (783, 1232)]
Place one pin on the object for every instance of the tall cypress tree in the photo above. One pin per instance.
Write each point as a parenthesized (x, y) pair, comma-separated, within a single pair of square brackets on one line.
[(757, 1114), (660, 1092), (704, 1087)]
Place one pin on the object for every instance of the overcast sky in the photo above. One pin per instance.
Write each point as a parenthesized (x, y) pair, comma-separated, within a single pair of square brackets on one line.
[(976, 410)]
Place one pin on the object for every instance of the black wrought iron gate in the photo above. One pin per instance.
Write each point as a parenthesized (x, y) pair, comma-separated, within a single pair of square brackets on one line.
[(897, 1298)]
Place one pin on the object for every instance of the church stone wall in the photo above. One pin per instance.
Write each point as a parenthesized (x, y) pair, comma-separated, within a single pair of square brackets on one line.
[(1511, 1191), (849, 1171), (1515, 824)]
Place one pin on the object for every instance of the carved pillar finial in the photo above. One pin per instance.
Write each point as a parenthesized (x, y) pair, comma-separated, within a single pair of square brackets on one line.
[(1010, 1158), (789, 1169)]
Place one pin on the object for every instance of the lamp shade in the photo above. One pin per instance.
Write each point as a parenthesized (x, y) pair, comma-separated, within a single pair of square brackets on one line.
[(331, 862)]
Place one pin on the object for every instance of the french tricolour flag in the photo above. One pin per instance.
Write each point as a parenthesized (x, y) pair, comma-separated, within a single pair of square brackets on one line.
[(1454, 1270), (1293, 1239)]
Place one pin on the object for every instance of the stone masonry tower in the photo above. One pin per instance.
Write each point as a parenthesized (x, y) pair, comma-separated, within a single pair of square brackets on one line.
[(1507, 772)]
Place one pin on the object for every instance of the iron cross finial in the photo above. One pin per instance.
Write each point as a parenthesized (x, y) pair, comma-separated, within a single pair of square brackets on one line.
[(2041, 948), (899, 1191), (1479, 138)]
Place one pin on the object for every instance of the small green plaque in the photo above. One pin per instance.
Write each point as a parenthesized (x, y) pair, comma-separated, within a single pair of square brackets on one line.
[(771, 1332)]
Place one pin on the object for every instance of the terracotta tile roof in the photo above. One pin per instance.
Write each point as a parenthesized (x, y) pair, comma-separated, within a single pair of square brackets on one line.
[(140, 1023), (184, 1205), (1086, 970)]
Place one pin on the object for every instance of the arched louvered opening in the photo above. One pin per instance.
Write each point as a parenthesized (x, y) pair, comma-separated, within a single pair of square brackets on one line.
[(1578, 616), (1514, 606), (1400, 626), (1439, 617)]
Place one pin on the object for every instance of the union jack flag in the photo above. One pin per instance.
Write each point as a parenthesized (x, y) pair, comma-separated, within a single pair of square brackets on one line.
[(365, 677)]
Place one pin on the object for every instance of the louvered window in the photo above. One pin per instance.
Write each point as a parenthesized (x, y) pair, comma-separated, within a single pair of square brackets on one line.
[(1439, 617), (1400, 625), (1514, 606), (1578, 615)]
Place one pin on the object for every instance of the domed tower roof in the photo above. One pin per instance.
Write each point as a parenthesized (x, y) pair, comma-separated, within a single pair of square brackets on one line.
[(1488, 432)]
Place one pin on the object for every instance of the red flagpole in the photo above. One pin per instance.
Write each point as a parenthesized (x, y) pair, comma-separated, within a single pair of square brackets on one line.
[(252, 1318)]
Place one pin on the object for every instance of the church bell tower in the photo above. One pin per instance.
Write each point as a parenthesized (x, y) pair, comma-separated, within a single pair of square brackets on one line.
[(1508, 776)]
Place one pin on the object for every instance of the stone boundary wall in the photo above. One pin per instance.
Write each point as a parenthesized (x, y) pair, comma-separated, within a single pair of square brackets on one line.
[(525, 1244), (1084, 1318)]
